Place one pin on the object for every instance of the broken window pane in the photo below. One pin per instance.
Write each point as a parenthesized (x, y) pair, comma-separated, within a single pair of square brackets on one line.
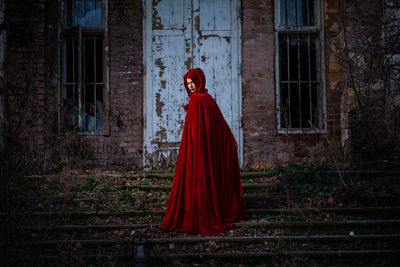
[(97, 13), (86, 13), (302, 13), (77, 14), (283, 12), (89, 20), (297, 13), (306, 13), (291, 12)]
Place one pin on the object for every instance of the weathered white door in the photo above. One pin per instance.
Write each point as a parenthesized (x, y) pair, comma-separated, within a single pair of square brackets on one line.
[(180, 35)]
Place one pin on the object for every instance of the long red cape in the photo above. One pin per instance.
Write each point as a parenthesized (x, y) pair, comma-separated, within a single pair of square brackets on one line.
[(206, 194)]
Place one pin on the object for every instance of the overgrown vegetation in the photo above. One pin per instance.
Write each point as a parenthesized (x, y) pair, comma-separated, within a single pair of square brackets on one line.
[(316, 185), (30, 140), (305, 180), (371, 73), (373, 138)]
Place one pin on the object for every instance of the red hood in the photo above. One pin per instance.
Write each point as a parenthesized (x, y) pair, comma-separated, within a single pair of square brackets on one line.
[(199, 79)]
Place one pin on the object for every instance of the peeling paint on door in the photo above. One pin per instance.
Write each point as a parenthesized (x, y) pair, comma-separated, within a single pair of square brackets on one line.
[(173, 45), (158, 62), (159, 105)]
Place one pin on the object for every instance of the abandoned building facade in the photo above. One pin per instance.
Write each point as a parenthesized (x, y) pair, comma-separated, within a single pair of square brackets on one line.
[(112, 71)]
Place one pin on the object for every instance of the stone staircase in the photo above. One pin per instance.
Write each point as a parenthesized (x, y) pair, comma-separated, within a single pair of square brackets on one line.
[(111, 219)]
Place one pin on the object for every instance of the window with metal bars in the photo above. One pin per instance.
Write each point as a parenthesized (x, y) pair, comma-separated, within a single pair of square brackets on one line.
[(83, 55), (300, 91)]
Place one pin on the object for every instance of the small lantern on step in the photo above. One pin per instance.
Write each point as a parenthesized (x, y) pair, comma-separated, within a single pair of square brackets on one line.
[(139, 249)]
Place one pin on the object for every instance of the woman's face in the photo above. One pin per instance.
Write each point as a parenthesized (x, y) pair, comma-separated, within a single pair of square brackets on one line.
[(191, 85)]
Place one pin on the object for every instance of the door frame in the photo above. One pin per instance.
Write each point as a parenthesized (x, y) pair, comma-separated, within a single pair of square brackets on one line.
[(147, 88)]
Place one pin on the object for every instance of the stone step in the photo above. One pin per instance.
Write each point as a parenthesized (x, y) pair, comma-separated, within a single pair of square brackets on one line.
[(357, 210), (276, 238), (104, 234), (253, 183), (304, 258), (224, 248), (364, 173), (245, 228), (132, 194), (245, 186), (239, 239), (109, 186), (153, 218), (156, 175), (150, 200), (281, 258), (308, 224)]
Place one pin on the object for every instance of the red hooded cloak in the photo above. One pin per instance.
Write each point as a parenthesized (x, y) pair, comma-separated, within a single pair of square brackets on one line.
[(206, 194)]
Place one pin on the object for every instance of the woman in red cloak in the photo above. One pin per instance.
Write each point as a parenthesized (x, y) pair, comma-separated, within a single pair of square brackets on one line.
[(206, 194)]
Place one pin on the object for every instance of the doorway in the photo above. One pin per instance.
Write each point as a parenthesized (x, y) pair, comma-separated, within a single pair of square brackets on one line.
[(180, 35)]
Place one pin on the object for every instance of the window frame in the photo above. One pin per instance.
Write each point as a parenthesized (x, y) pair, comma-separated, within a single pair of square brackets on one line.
[(320, 68), (68, 33)]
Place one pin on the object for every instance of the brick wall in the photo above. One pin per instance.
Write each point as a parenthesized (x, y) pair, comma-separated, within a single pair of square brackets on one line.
[(2, 96), (25, 65), (38, 60)]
